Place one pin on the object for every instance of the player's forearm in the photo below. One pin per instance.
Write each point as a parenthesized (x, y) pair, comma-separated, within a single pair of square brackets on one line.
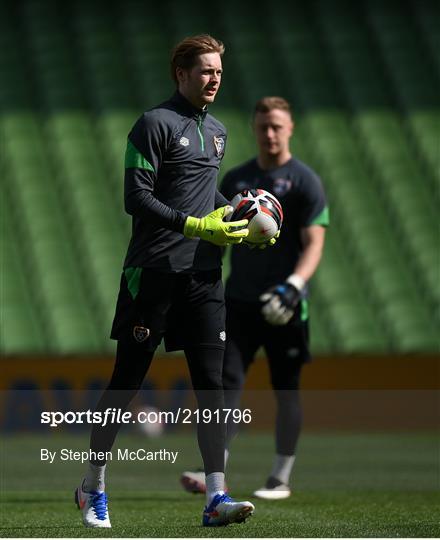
[(141, 203), (220, 200), (145, 206), (309, 262), (311, 256)]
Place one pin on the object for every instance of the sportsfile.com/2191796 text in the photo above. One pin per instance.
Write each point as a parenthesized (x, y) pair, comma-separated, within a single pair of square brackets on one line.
[(117, 416)]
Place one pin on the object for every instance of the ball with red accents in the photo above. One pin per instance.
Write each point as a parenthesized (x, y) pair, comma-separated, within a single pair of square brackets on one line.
[(262, 210)]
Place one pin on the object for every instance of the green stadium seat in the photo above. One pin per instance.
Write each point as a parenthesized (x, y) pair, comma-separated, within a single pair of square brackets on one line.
[(20, 332), (72, 331), (427, 14), (425, 128), (413, 330), (408, 65), (21, 328), (358, 331), (357, 65), (321, 334)]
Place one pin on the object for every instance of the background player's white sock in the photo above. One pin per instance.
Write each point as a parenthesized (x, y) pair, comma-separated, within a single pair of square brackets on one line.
[(215, 484), (282, 467), (95, 478), (226, 456)]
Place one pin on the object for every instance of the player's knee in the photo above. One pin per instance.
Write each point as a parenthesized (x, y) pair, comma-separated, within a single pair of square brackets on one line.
[(287, 399), (286, 380), (209, 380), (233, 380)]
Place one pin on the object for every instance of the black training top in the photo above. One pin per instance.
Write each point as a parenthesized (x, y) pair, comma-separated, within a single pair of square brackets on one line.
[(171, 165), (300, 192)]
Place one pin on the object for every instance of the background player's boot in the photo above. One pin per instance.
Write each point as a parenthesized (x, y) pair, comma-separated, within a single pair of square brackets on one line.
[(194, 481), (273, 490), (223, 510), (94, 508)]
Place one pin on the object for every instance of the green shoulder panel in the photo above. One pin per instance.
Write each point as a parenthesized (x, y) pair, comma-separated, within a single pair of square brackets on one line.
[(323, 218), (134, 159)]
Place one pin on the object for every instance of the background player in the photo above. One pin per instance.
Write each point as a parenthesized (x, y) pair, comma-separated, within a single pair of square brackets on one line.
[(266, 292), (171, 285)]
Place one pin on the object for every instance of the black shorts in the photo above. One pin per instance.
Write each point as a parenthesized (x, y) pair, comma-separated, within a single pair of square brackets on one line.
[(187, 310), (286, 346)]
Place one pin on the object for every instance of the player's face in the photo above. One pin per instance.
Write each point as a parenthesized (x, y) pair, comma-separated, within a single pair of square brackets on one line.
[(200, 84), (273, 131)]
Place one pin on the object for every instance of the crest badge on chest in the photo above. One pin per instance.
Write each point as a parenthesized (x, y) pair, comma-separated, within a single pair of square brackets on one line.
[(219, 143), (281, 186)]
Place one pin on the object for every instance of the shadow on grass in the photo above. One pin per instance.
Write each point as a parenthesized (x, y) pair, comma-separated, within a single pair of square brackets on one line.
[(33, 528), (116, 498)]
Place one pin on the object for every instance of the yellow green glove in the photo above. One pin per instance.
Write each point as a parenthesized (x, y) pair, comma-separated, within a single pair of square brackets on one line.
[(213, 229), (264, 245)]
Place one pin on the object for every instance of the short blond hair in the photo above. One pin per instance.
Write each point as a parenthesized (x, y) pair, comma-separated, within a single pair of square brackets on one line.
[(269, 103), (185, 53)]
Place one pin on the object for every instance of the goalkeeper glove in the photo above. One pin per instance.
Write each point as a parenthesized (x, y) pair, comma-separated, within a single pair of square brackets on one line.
[(213, 229), (264, 245), (280, 301)]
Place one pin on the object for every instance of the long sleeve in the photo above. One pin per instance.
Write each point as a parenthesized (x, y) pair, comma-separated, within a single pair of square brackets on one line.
[(146, 145), (220, 200)]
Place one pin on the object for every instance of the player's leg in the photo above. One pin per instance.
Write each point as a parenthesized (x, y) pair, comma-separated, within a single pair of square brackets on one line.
[(205, 338), (288, 425), (243, 322), (205, 366), (287, 350), (138, 326), (132, 363), (241, 344), (131, 366)]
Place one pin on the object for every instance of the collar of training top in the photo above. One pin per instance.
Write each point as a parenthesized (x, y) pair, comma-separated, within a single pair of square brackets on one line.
[(187, 107)]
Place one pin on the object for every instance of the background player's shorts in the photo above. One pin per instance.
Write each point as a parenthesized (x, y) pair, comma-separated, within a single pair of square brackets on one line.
[(286, 346), (187, 310)]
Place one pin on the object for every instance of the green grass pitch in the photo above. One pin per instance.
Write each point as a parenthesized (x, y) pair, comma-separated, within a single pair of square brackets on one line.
[(345, 485)]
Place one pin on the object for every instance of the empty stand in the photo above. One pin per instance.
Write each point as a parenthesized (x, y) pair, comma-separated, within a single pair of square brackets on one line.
[(363, 79)]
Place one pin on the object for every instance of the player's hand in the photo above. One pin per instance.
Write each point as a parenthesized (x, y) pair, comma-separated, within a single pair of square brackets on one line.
[(213, 229), (280, 301), (264, 245)]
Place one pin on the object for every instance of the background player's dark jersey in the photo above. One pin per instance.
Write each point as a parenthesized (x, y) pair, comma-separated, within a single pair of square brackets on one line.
[(302, 197), (171, 166)]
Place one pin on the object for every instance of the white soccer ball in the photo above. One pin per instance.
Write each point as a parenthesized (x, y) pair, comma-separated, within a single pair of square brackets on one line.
[(263, 211)]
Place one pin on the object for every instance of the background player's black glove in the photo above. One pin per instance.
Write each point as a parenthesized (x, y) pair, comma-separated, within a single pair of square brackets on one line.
[(280, 301)]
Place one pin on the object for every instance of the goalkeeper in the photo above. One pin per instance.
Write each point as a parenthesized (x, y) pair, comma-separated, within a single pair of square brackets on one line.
[(171, 285), (266, 293)]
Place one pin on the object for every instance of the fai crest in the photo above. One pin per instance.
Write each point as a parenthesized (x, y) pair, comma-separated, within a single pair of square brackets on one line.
[(219, 143), (140, 333), (281, 186)]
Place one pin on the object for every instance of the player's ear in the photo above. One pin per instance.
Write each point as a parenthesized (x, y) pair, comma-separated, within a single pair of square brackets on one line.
[(181, 75), (292, 128)]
